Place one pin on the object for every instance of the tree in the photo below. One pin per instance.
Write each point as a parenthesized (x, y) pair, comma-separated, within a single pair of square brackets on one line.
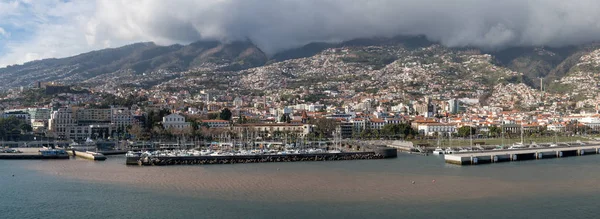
[(26, 127), (225, 114), (136, 131), (285, 118), (158, 131), (324, 127), (242, 120), (282, 118), (466, 131), (495, 131), (12, 128), (397, 130)]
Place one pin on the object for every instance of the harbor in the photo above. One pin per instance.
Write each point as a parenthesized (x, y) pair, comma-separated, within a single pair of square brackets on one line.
[(520, 154)]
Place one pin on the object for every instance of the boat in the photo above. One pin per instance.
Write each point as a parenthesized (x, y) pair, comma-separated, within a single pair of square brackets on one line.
[(438, 151), (517, 146), (463, 150), (450, 150)]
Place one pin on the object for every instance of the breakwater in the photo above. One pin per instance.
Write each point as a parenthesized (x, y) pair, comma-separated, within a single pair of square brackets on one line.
[(194, 160), (31, 156), (34, 154)]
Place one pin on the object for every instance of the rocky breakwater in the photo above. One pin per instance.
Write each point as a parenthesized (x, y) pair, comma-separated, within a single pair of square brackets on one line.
[(236, 159)]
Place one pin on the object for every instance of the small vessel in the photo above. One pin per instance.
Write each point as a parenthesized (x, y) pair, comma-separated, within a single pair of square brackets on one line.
[(438, 151), (464, 150), (518, 146), (450, 150)]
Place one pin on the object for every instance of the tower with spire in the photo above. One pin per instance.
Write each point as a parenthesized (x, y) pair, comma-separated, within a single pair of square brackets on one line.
[(304, 117)]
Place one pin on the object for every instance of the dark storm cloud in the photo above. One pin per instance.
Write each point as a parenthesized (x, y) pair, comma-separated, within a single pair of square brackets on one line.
[(280, 24)]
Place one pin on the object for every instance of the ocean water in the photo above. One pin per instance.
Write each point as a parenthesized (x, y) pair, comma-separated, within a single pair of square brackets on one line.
[(76, 188)]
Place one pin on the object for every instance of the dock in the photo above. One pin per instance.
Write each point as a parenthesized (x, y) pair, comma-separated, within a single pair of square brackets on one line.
[(87, 155), (32, 154), (496, 156)]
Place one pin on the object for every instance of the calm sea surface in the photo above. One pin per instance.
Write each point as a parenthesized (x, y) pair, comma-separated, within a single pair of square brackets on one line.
[(554, 188)]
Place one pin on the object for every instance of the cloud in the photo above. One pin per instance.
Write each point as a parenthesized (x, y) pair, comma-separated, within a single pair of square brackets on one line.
[(3, 33), (64, 28)]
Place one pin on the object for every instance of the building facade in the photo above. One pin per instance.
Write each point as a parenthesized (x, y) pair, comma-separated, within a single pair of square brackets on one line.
[(175, 121)]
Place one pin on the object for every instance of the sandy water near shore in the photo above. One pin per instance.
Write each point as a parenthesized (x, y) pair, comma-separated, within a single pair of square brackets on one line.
[(342, 181)]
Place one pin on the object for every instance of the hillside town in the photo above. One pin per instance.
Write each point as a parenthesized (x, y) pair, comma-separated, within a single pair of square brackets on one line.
[(350, 92), (76, 114)]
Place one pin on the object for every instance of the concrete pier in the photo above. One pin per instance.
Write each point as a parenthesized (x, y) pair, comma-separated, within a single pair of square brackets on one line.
[(87, 155), (485, 157), (32, 154)]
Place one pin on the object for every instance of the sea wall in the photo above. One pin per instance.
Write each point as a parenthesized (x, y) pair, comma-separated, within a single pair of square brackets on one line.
[(158, 161)]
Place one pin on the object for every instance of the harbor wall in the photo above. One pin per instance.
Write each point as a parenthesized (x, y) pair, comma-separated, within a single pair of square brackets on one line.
[(31, 156), (158, 161)]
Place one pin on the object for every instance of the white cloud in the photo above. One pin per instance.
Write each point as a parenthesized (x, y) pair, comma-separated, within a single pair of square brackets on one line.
[(67, 28), (3, 33)]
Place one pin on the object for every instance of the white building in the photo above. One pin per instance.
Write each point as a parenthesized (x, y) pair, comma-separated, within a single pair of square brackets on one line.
[(175, 121), (238, 102), (556, 127), (377, 124), (81, 123), (217, 123), (432, 128), (35, 114), (360, 124), (121, 117)]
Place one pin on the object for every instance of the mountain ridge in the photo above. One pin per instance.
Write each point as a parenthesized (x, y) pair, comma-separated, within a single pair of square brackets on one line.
[(145, 57)]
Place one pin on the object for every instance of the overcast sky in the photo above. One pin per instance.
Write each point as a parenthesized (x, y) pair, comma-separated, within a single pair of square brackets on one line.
[(35, 29)]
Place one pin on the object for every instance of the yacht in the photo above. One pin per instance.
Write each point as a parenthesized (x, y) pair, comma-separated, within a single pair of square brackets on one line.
[(450, 150), (518, 146), (438, 151), (464, 150)]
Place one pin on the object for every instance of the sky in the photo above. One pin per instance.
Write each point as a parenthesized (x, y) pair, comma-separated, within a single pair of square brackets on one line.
[(37, 29)]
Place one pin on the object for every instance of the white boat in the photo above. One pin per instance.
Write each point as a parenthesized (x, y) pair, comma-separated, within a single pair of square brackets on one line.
[(518, 146), (438, 151), (205, 152), (450, 151)]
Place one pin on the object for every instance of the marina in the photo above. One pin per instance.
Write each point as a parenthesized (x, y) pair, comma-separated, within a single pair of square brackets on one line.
[(520, 153)]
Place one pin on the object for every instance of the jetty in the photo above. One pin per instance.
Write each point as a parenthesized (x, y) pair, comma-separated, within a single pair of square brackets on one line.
[(34, 154), (496, 156), (87, 155), (376, 153)]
